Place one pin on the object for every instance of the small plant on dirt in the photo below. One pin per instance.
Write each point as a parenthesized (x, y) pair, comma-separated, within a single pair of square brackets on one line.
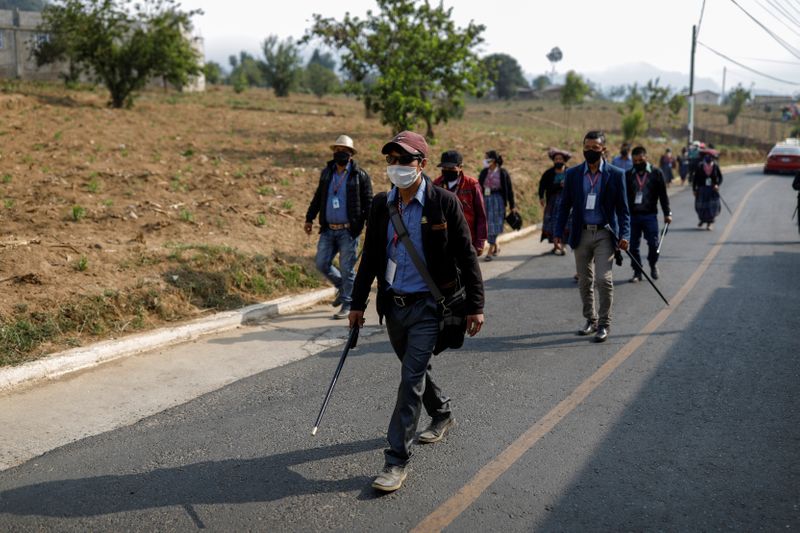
[(7, 178), (261, 220), (93, 186), (8, 203), (238, 174), (82, 265), (58, 135), (27, 159), (108, 203), (186, 215), (266, 191), (176, 185), (78, 213), (188, 153), (285, 182), (288, 205)]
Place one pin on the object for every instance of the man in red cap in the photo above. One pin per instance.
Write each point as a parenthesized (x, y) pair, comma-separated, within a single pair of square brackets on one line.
[(468, 191), (438, 233)]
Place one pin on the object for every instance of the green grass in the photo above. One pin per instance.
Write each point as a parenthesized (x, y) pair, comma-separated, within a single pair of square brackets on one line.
[(78, 213), (8, 203), (93, 186), (7, 178), (261, 220), (186, 215), (82, 265)]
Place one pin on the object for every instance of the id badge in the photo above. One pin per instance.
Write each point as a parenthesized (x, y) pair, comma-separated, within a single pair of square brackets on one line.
[(591, 200), (708, 182), (639, 198), (487, 191), (391, 271), (336, 203)]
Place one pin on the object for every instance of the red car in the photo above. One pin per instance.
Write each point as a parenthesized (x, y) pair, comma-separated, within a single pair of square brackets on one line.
[(783, 158)]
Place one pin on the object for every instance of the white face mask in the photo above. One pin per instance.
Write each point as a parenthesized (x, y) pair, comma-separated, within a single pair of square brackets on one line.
[(486, 163), (401, 176)]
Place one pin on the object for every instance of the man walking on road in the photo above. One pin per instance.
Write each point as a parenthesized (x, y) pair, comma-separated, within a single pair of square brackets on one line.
[(439, 234), (646, 187), (594, 193), (343, 200), (468, 191)]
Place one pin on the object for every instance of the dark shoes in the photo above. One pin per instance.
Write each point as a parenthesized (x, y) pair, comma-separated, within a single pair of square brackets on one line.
[(588, 329), (390, 479), (602, 334), (637, 277), (654, 271), (436, 431), (342, 313), (337, 300)]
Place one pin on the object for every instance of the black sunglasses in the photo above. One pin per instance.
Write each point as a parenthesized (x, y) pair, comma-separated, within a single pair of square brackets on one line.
[(404, 159)]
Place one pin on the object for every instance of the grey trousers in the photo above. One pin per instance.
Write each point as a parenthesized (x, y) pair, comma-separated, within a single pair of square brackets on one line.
[(594, 258), (413, 331)]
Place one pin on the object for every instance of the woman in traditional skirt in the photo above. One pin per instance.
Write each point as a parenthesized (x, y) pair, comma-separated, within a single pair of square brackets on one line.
[(667, 163), (551, 185), (706, 180), (497, 193)]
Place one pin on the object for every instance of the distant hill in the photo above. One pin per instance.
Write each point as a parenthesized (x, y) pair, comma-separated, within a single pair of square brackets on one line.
[(631, 73), (22, 5)]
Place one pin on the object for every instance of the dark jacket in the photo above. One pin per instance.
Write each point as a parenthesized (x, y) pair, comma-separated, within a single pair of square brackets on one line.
[(359, 198), (506, 189), (796, 184), (613, 203), (548, 186), (699, 176), (655, 191), (447, 247)]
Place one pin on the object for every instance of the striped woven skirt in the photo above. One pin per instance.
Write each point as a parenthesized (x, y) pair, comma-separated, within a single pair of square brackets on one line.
[(495, 215)]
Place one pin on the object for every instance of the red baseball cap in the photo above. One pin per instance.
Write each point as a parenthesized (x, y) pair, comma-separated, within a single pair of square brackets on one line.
[(409, 142)]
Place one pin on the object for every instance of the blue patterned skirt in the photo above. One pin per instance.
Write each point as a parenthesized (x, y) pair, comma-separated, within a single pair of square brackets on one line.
[(707, 204), (495, 214)]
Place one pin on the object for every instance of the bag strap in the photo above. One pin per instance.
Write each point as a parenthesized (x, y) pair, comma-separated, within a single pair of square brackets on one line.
[(402, 233)]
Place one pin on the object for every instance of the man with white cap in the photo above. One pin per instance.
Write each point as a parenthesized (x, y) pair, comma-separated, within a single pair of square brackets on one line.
[(342, 201)]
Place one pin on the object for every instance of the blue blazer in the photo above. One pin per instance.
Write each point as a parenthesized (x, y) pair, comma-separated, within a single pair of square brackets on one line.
[(613, 203)]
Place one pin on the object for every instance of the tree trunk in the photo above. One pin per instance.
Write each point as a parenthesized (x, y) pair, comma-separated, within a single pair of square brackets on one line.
[(429, 131)]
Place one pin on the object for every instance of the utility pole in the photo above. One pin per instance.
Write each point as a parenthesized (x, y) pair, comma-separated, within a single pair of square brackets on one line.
[(691, 86), (724, 75)]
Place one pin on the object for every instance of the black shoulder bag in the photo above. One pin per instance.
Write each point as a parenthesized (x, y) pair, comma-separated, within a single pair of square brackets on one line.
[(451, 309)]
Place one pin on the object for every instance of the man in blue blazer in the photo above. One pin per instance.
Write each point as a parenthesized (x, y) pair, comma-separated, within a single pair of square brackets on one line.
[(595, 194)]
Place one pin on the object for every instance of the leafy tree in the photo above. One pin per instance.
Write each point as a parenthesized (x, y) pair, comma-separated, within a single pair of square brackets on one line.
[(120, 43), (323, 59), (575, 90), (554, 56), (541, 82), (421, 63), (213, 72), (736, 100), (282, 64), (320, 80), (505, 73), (22, 5), (634, 123), (246, 71)]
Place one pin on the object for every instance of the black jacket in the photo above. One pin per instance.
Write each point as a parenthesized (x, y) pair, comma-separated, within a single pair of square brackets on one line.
[(359, 198), (796, 184), (699, 176), (655, 191), (547, 184), (506, 189), (447, 245)]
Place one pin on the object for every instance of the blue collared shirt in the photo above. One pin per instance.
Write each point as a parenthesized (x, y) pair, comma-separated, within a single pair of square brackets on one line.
[(625, 163), (337, 190), (595, 216), (407, 279)]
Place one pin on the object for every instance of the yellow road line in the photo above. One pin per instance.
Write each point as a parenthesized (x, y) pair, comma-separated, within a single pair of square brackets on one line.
[(446, 513)]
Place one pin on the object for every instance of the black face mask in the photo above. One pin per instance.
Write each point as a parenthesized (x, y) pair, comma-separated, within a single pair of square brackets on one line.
[(592, 156), (559, 166), (341, 158), (640, 167), (451, 175)]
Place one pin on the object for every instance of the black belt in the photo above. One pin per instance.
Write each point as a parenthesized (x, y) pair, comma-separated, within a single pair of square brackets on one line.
[(404, 300)]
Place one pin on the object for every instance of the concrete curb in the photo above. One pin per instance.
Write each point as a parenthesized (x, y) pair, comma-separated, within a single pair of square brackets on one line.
[(62, 363)]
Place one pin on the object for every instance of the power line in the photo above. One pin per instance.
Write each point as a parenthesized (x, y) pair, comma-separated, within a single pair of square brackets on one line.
[(783, 11), (791, 5), (765, 8), (772, 61), (783, 43), (700, 23), (720, 54)]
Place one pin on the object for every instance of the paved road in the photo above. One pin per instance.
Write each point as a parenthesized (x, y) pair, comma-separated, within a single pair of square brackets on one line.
[(694, 426)]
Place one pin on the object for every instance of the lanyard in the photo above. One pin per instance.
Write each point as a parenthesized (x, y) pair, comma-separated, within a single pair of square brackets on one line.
[(641, 181), (396, 238), (337, 186), (593, 179)]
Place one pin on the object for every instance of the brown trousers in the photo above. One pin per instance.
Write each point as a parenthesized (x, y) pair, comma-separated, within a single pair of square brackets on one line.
[(594, 258)]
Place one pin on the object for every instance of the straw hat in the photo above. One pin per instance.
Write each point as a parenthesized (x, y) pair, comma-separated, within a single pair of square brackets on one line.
[(345, 142)]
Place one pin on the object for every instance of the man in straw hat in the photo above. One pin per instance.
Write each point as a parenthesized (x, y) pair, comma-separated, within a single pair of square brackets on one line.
[(342, 201)]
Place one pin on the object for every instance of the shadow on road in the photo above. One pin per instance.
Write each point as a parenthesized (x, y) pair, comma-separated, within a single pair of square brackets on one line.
[(217, 482)]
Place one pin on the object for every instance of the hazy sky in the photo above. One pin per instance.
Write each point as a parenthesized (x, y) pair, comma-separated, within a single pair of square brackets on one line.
[(594, 36)]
